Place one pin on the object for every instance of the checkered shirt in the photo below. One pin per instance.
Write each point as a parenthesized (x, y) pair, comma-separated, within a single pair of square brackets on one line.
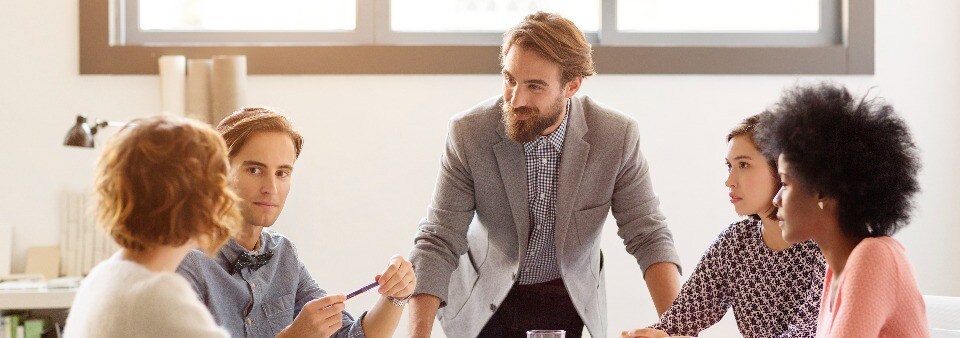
[(542, 157)]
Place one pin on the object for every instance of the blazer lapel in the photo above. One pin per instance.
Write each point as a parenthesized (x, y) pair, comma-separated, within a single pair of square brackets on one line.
[(513, 171), (572, 162)]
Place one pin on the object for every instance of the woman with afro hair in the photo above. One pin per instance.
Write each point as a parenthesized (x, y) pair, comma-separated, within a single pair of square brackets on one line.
[(849, 169)]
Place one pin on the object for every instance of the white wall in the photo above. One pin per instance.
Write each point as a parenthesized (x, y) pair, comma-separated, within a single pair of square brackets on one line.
[(373, 144)]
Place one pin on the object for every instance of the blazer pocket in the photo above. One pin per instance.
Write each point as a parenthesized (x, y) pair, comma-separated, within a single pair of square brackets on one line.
[(590, 221), (279, 311), (463, 282), (477, 244)]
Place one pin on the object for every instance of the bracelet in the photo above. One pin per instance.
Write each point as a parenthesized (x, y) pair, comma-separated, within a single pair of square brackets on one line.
[(400, 302)]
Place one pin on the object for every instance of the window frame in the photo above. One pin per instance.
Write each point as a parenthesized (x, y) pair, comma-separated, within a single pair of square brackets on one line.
[(100, 53)]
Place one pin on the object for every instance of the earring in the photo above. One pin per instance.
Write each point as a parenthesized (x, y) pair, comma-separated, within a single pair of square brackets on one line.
[(820, 204)]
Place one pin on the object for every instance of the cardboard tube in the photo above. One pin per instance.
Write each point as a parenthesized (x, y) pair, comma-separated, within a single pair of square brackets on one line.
[(229, 85), (172, 82), (198, 90)]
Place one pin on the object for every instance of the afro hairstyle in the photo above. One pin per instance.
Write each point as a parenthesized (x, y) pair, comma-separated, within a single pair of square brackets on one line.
[(858, 151)]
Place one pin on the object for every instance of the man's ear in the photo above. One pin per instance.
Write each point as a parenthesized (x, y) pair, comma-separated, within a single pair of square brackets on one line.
[(572, 86)]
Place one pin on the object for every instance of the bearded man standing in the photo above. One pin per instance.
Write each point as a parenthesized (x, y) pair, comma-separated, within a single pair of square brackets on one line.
[(511, 241)]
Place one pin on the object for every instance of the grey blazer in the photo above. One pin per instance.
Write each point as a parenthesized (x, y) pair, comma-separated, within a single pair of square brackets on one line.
[(468, 249)]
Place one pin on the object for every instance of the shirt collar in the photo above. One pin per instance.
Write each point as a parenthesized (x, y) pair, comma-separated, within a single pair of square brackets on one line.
[(232, 249), (555, 138)]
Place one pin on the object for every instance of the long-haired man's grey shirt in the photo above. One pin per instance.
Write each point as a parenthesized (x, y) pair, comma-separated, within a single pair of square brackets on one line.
[(468, 249)]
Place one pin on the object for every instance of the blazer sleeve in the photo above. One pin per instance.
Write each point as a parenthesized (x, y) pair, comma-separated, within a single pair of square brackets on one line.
[(636, 208), (442, 235)]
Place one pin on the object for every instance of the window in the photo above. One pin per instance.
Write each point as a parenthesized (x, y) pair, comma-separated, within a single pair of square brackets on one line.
[(724, 23), (400, 36), (241, 22), (472, 22), (222, 15), (477, 22)]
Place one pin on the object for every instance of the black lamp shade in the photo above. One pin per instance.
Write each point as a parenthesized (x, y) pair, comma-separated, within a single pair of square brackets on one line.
[(80, 135)]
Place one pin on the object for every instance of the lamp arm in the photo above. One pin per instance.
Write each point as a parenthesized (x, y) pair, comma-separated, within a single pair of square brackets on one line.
[(104, 124)]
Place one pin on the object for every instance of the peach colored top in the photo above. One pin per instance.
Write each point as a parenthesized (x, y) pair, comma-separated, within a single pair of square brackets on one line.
[(878, 295)]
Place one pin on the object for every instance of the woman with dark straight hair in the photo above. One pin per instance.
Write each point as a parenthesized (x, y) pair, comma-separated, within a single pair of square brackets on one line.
[(773, 287)]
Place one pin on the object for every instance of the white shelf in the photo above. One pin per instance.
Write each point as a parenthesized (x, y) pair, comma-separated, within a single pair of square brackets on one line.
[(36, 299)]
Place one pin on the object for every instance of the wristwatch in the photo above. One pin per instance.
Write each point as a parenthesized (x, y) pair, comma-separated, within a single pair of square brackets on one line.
[(400, 302)]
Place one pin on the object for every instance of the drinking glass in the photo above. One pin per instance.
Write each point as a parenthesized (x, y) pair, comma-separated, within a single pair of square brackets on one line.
[(546, 334)]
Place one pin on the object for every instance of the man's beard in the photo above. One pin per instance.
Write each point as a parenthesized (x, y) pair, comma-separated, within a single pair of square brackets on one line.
[(521, 131)]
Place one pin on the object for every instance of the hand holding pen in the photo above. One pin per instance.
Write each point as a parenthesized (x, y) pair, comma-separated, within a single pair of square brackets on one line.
[(323, 315), (398, 280), (319, 317)]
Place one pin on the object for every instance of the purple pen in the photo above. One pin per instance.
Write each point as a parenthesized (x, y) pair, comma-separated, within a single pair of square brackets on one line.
[(362, 290)]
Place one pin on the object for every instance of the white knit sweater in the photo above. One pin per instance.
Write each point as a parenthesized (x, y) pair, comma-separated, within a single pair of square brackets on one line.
[(123, 299)]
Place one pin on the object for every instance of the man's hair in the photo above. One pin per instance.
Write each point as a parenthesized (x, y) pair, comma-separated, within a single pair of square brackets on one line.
[(751, 127), (555, 38), (162, 181), (855, 150), (237, 128)]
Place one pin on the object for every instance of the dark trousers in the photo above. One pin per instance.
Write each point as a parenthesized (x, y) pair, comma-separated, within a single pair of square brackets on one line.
[(544, 306)]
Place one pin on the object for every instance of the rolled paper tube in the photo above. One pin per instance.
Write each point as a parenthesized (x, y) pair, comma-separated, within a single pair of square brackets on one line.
[(172, 82), (198, 90), (229, 85)]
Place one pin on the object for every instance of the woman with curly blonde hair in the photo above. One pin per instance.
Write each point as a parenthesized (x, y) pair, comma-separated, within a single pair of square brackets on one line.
[(163, 191)]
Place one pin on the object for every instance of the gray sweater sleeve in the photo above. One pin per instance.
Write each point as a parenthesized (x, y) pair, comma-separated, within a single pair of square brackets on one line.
[(442, 235), (636, 208)]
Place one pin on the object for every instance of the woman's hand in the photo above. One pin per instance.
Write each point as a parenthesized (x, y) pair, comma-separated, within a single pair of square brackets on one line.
[(643, 333)]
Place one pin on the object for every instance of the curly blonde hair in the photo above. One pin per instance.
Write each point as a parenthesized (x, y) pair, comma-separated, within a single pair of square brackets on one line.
[(162, 181)]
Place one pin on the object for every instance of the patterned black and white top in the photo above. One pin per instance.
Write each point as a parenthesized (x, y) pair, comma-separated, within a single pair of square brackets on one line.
[(773, 293), (542, 158)]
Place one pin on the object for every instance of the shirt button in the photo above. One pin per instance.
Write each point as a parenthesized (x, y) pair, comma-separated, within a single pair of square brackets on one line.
[(493, 307), (543, 195), (253, 285), (544, 161), (249, 321)]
